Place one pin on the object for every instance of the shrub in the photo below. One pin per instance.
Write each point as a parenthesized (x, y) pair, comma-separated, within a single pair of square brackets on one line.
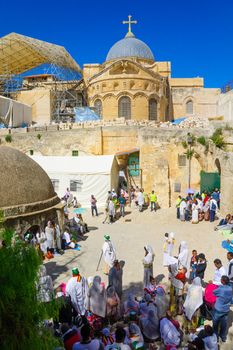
[(218, 138), (8, 138), (184, 144), (202, 140)]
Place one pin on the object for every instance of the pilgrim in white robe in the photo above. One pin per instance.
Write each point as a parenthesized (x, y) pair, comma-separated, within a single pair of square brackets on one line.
[(109, 253), (169, 333), (78, 293), (183, 257), (167, 250)]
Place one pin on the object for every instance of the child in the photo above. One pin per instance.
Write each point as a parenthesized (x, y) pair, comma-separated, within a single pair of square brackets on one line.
[(193, 265)]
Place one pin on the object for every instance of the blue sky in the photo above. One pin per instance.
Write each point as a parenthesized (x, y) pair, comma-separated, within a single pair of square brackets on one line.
[(196, 36)]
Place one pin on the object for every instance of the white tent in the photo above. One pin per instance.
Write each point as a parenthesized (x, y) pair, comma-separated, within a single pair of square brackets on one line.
[(13, 113), (83, 175)]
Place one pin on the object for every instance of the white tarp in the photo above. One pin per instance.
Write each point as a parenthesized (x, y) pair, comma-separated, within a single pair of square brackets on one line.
[(13, 113), (90, 175)]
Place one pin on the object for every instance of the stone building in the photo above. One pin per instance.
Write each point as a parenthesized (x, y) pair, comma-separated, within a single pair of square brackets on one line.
[(27, 197), (131, 84)]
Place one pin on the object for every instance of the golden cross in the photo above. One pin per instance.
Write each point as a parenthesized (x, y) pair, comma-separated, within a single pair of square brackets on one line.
[(129, 22)]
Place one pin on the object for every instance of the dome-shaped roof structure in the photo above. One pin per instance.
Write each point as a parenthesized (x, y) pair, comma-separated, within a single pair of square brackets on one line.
[(23, 183), (130, 47)]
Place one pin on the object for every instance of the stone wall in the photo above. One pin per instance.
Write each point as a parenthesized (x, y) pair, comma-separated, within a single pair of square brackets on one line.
[(159, 150)]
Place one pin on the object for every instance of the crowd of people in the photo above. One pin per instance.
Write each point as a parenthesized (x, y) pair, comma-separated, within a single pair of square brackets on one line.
[(198, 207), (186, 311)]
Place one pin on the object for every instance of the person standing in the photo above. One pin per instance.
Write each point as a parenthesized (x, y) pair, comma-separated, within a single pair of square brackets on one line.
[(153, 201), (111, 210), (76, 289), (222, 307), (213, 208), (178, 201), (93, 206), (219, 272), (109, 254), (58, 237), (183, 206), (49, 233), (122, 202), (167, 249), (230, 267), (201, 266), (97, 298), (115, 277), (140, 200), (148, 264)]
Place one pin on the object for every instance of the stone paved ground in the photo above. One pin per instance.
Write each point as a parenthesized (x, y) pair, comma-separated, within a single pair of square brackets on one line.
[(129, 236)]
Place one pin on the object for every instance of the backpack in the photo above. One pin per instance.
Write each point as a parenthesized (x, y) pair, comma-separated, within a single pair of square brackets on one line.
[(213, 206)]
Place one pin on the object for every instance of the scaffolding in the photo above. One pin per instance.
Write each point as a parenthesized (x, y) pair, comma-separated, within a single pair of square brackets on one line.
[(22, 58)]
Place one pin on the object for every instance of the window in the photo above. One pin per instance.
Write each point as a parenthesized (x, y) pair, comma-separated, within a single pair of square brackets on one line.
[(177, 187), (189, 107), (124, 107), (152, 109), (55, 183), (76, 185), (31, 152), (181, 159), (98, 107), (75, 153)]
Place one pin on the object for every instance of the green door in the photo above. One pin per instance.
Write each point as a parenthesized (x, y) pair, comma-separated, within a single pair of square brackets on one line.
[(133, 164), (209, 181)]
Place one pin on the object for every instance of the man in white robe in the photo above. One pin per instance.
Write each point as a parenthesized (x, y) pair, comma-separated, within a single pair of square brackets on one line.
[(109, 254), (148, 264), (76, 288), (49, 233), (167, 249)]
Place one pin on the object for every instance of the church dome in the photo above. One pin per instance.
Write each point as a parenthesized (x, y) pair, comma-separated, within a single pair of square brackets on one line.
[(130, 47), (24, 185)]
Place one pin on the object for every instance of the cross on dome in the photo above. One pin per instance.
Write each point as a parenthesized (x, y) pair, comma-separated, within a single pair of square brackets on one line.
[(129, 22)]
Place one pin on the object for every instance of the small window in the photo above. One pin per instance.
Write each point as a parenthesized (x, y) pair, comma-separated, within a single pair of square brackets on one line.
[(182, 160), (31, 152), (76, 185), (55, 183), (177, 187), (75, 153), (152, 109), (189, 107)]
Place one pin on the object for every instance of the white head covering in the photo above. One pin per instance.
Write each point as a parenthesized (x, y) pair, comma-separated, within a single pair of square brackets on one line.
[(149, 258), (171, 235), (174, 271), (183, 255), (194, 298), (169, 333)]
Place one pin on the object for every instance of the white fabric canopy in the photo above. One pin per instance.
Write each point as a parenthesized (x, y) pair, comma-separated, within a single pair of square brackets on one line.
[(93, 175)]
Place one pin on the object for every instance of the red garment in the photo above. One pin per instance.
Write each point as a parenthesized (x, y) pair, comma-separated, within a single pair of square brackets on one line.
[(69, 342), (181, 277), (206, 199), (209, 296)]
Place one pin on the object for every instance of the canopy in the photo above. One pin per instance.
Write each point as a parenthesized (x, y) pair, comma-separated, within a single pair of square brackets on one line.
[(20, 53), (83, 175)]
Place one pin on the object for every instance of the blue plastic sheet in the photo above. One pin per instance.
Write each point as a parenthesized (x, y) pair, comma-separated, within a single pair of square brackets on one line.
[(83, 114)]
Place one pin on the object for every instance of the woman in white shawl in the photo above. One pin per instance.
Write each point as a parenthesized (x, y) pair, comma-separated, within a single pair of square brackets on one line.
[(183, 257), (195, 212), (168, 248), (148, 264), (183, 206), (109, 253), (194, 298), (169, 333), (150, 326), (97, 298)]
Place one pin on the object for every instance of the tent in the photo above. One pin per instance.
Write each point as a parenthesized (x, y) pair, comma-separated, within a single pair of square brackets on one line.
[(83, 175), (14, 114)]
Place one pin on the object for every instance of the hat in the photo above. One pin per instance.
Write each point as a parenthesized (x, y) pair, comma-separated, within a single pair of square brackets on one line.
[(107, 237), (75, 271)]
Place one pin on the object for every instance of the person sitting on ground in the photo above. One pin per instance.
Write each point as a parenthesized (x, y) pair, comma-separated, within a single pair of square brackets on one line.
[(169, 330), (83, 225), (67, 243), (87, 343), (130, 305), (119, 344), (227, 220), (135, 336), (70, 336), (75, 202), (209, 338), (149, 325)]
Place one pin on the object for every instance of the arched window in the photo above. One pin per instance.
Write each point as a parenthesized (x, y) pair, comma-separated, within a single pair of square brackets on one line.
[(152, 109), (189, 107), (124, 107), (98, 107)]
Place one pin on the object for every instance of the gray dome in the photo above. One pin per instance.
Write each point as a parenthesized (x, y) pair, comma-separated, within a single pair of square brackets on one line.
[(130, 47)]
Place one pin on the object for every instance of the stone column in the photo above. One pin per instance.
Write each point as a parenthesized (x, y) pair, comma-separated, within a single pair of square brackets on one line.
[(226, 205)]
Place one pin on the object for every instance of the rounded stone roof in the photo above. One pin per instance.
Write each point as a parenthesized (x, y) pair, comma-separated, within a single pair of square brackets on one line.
[(24, 182), (130, 47)]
